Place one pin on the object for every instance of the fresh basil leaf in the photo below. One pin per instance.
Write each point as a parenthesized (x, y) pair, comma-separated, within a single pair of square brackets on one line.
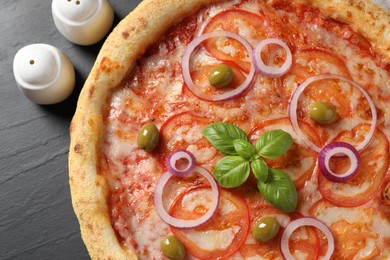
[(231, 171), (279, 191), (273, 143), (260, 170), (244, 148), (222, 135)]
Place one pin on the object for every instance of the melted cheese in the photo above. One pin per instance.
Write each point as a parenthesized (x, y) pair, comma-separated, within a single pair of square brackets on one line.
[(366, 251), (213, 239), (350, 190), (300, 255), (257, 257), (351, 215)]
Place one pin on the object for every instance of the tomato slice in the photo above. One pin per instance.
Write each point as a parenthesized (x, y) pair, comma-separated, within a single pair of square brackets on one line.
[(373, 167), (299, 161), (352, 229), (256, 28), (183, 131), (312, 62), (349, 103), (223, 235), (304, 240)]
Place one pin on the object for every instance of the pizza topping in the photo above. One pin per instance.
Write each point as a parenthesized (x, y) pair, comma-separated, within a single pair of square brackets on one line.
[(265, 229), (260, 170), (181, 163), (182, 132), (299, 161), (147, 137), (273, 143), (279, 190), (322, 112), (304, 242), (252, 26), (355, 229), (292, 110), (229, 94), (267, 70), (222, 136), (374, 165), (183, 223), (220, 237), (306, 221), (221, 76), (337, 149), (234, 169), (244, 148), (172, 248)]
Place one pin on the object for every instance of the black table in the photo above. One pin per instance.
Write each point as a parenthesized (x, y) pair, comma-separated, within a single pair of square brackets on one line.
[(36, 216)]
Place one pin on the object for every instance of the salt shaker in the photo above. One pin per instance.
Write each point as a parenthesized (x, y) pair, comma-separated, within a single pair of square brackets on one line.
[(83, 22), (43, 73)]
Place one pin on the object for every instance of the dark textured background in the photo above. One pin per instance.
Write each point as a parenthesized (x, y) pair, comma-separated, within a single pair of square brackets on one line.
[(36, 215)]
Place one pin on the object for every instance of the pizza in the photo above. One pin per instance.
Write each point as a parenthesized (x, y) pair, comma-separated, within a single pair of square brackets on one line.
[(237, 129)]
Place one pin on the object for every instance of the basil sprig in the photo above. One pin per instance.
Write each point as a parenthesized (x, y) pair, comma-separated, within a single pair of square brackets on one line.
[(231, 171), (273, 143), (279, 191), (222, 135), (243, 157)]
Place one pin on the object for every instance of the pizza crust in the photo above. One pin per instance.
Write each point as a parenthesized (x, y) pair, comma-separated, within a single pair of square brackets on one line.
[(128, 41), (365, 17)]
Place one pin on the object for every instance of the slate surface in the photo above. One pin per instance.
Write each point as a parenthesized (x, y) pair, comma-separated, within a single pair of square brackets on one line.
[(36, 215)]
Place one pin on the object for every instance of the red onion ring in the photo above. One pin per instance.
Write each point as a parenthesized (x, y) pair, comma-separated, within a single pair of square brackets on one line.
[(292, 109), (335, 149), (183, 223), (306, 221), (186, 70), (176, 156), (271, 71)]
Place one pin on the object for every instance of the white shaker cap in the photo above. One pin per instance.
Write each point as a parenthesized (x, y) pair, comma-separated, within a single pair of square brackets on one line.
[(83, 22), (43, 73)]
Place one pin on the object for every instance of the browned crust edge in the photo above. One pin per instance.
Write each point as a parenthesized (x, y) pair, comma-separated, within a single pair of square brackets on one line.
[(364, 16), (142, 27)]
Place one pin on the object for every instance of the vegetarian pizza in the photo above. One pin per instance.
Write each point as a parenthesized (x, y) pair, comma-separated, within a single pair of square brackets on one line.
[(237, 129)]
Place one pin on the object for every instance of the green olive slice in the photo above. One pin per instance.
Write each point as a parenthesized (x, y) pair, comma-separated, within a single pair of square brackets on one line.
[(265, 229), (148, 136), (221, 76), (172, 248), (322, 112)]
